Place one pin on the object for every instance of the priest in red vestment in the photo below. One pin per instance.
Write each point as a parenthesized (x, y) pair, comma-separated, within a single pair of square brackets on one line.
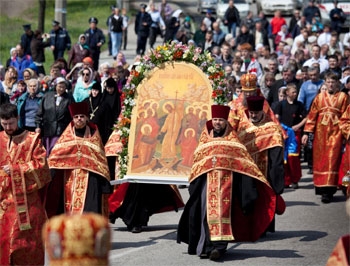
[(81, 182), (249, 88), (230, 199), (344, 170), (263, 139), (23, 173), (323, 121)]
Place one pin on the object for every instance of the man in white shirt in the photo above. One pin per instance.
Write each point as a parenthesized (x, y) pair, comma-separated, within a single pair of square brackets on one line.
[(325, 36), (157, 25), (315, 51), (346, 40), (301, 38), (117, 26)]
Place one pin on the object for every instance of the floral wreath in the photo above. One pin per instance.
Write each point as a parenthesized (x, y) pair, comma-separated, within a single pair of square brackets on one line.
[(166, 53)]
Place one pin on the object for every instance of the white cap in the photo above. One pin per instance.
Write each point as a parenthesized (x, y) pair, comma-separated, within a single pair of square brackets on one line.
[(228, 37), (60, 80), (258, 46), (312, 39)]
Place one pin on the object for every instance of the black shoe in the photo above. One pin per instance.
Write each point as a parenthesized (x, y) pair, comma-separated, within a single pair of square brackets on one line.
[(112, 218), (136, 229), (214, 254), (295, 185), (326, 198)]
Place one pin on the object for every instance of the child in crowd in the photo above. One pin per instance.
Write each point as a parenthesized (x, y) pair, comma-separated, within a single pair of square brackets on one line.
[(292, 115)]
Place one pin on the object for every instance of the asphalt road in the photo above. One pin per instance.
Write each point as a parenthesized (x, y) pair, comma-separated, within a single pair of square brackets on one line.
[(305, 235)]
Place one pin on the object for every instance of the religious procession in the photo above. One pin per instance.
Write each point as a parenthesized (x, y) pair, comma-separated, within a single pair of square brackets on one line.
[(217, 120)]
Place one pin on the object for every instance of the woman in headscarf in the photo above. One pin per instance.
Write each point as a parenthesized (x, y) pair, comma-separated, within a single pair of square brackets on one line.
[(53, 115), (79, 51), (172, 26), (111, 97), (120, 61), (84, 84), (13, 54), (282, 36), (104, 71), (98, 111)]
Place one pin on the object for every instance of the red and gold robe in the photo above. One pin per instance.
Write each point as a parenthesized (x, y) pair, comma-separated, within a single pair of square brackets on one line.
[(22, 214), (78, 157), (218, 158), (341, 253), (238, 108), (344, 125), (259, 138), (323, 121)]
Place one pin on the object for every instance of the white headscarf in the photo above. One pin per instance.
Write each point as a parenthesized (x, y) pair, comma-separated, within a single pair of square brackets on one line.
[(177, 13)]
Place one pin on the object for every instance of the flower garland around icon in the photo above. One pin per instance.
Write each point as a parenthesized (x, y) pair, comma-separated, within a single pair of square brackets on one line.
[(155, 58)]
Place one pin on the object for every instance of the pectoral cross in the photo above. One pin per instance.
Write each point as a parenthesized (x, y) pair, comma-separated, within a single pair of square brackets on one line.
[(92, 116), (79, 154), (214, 160)]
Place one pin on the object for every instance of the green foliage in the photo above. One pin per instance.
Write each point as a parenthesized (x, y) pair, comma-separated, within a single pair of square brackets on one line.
[(78, 13)]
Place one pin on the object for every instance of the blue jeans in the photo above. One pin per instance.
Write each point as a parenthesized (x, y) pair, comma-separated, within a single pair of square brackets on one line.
[(116, 42), (233, 29)]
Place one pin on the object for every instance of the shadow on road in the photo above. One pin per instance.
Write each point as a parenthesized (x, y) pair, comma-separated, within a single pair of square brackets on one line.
[(300, 203), (305, 236), (241, 254)]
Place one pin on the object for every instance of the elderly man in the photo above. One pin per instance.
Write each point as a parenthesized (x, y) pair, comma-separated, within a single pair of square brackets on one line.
[(288, 76), (81, 164), (230, 199), (23, 173)]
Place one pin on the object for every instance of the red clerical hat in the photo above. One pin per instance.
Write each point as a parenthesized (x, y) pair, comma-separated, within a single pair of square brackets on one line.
[(255, 103), (220, 111), (81, 108)]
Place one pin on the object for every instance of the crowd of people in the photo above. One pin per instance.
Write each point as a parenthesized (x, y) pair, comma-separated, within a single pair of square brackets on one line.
[(289, 101)]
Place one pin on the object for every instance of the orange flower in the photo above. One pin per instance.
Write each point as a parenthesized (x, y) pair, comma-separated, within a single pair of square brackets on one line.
[(134, 73), (178, 54)]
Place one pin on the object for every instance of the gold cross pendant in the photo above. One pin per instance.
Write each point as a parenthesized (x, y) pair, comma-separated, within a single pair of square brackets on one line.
[(214, 160), (79, 154)]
